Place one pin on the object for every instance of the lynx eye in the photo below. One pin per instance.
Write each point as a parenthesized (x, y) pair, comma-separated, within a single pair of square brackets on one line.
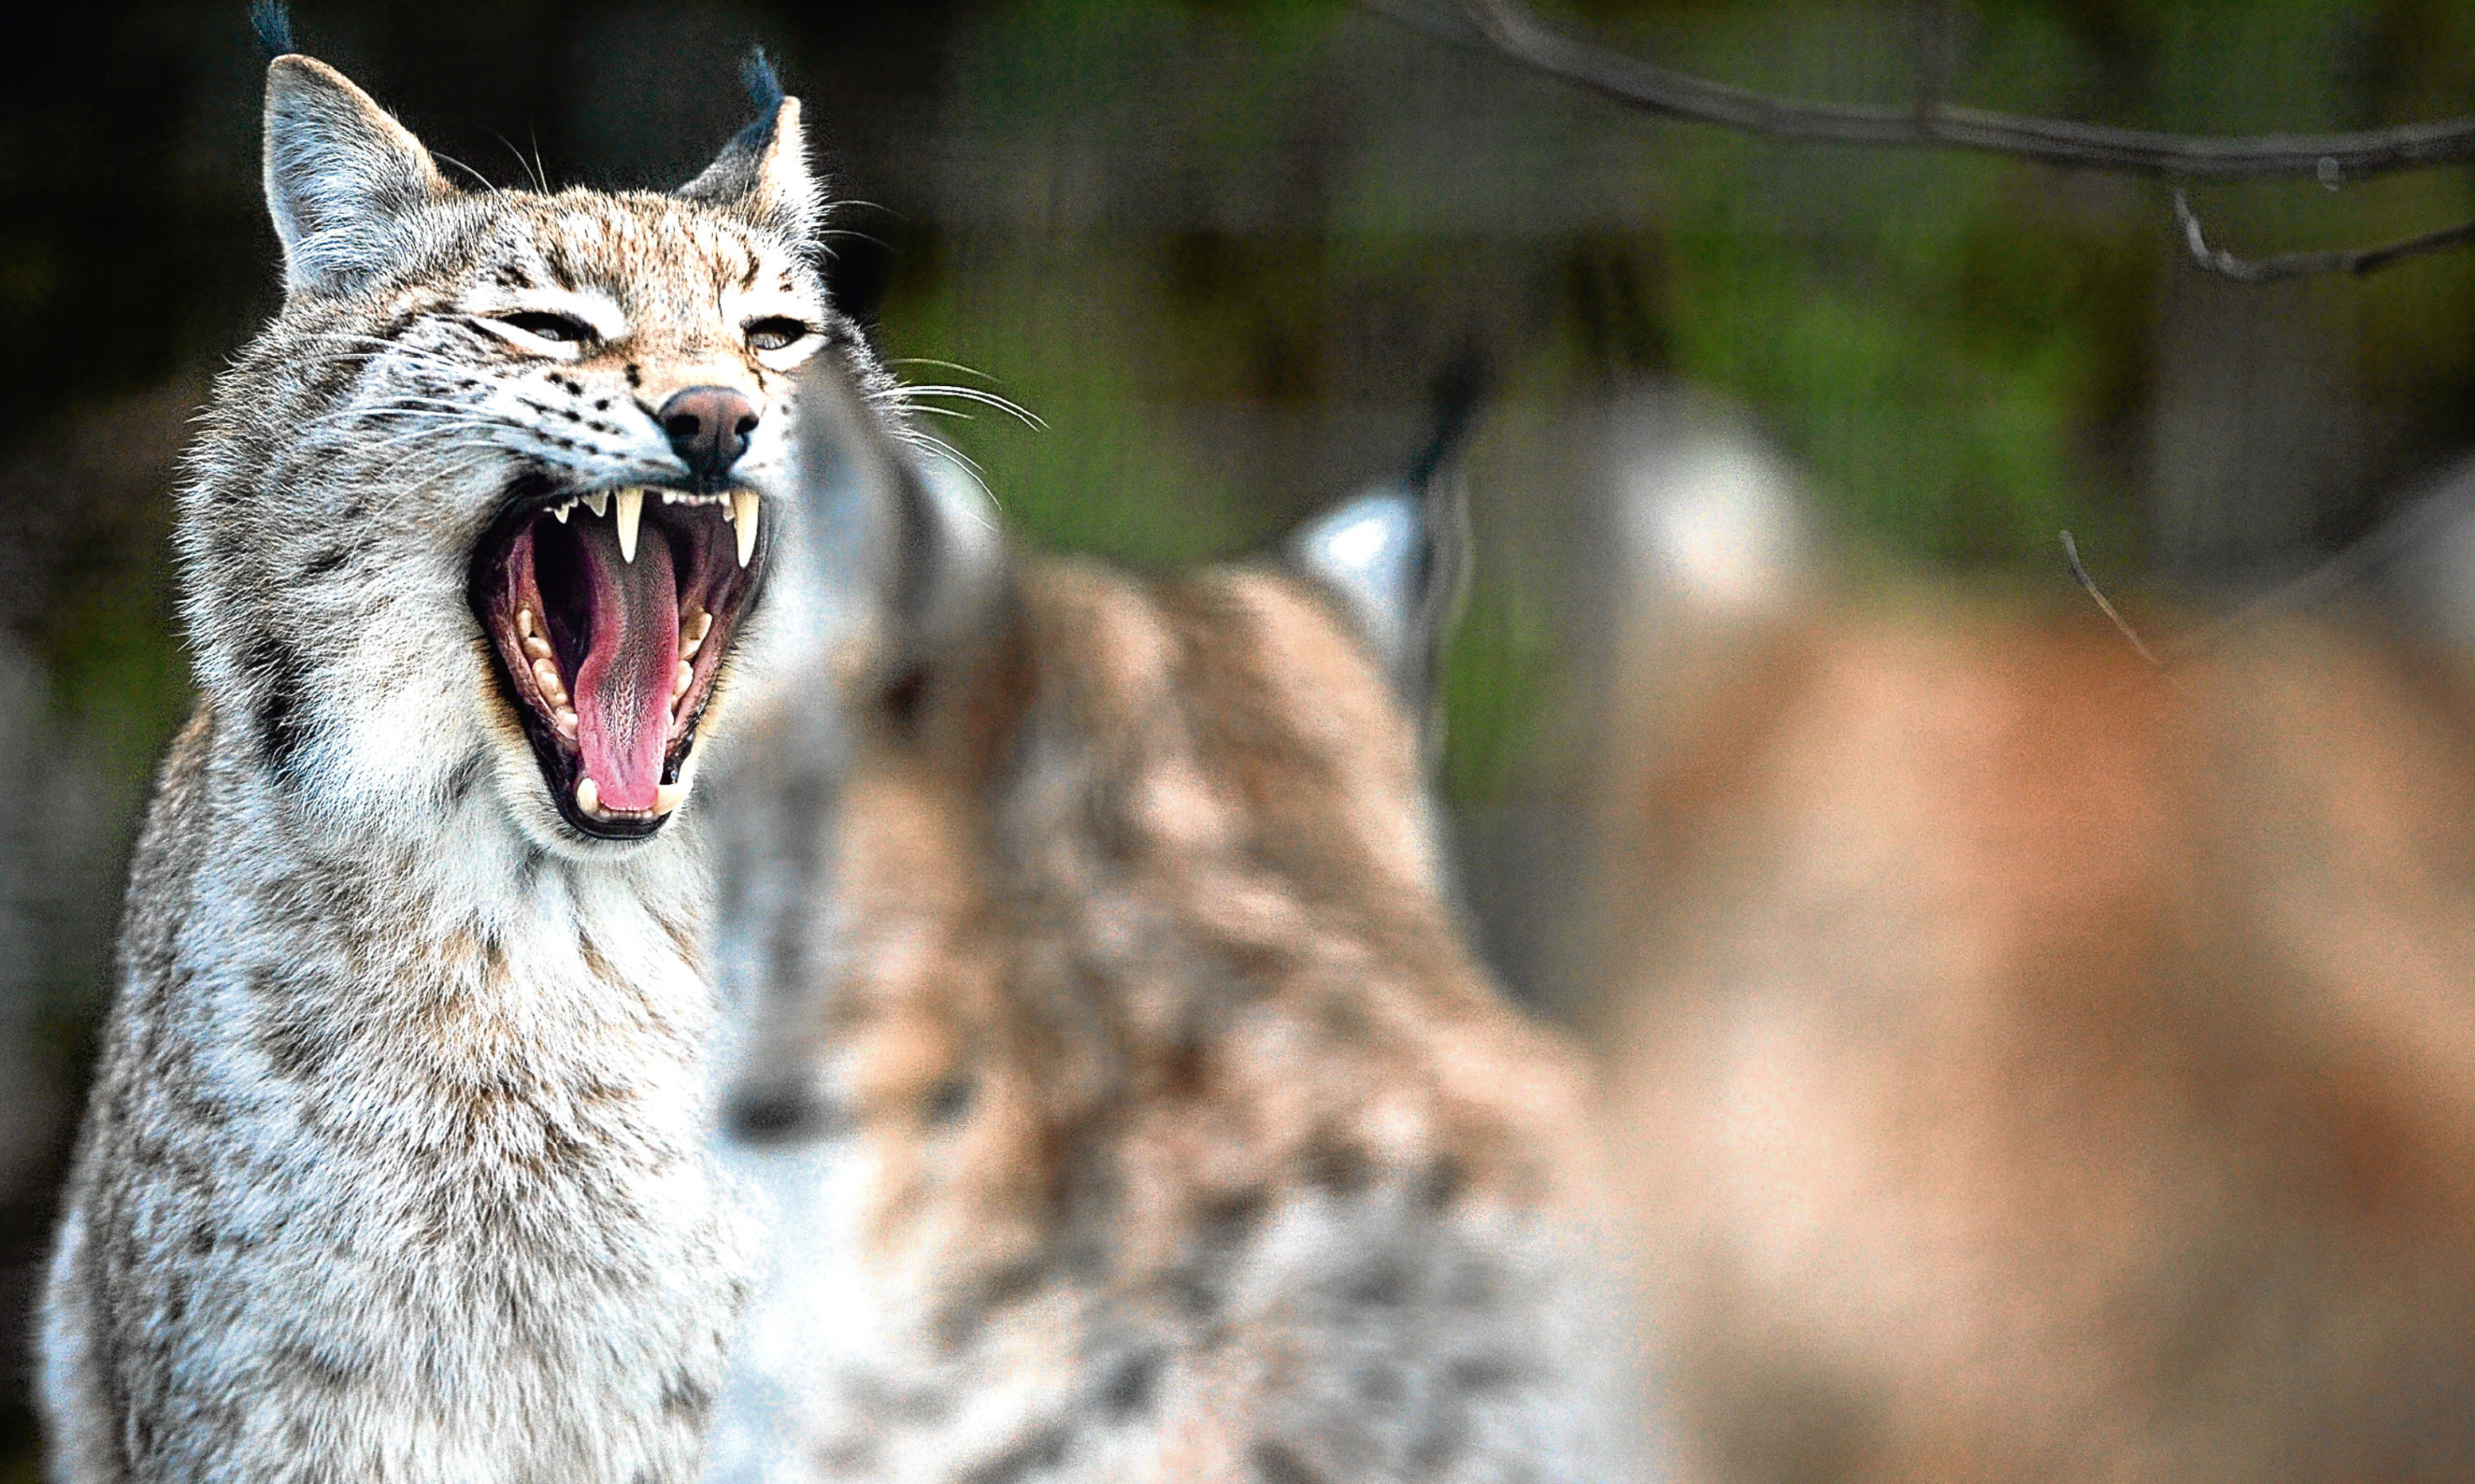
[(542, 325), (776, 332)]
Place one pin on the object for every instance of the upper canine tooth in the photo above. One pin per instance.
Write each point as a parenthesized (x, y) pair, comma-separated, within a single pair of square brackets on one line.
[(743, 514), (631, 510), (598, 502)]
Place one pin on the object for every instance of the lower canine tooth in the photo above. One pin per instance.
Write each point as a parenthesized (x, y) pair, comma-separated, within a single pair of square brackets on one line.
[(668, 796), (588, 794)]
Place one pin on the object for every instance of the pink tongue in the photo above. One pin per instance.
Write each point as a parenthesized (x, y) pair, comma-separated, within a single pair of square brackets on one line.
[(622, 688)]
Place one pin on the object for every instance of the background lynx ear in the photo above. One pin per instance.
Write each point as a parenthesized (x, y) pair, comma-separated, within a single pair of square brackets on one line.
[(764, 173), (1398, 554), (341, 177), (939, 566)]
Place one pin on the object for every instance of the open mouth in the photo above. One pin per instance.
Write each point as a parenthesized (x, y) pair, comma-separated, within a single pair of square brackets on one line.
[(609, 614)]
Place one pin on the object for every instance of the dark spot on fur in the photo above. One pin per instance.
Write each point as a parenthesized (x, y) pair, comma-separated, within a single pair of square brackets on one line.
[(949, 1100), (595, 963), (283, 727), (462, 782), (635, 376), (1035, 1454), (326, 562), (1381, 1385), (601, 405), (1330, 1163), (1182, 1072), (1384, 1285), (852, 1456), (1012, 1282), (1129, 1388), (512, 276), (1482, 1373), (683, 1398), (1230, 1218), (902, 697), (1007, 1285), (1444, 1183), (1276, 1464), (328, 1368)]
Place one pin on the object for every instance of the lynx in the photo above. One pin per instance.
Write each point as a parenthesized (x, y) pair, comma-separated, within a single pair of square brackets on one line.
[(395, 1166), (1151, 1118), (2035, 1067)]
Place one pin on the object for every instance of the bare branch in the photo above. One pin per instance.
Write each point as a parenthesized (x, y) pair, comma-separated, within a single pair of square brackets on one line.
[(2072, 554), (2357, 261), (1509, 28)]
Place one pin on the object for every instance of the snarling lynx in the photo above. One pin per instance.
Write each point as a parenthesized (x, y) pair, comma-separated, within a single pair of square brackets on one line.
[(1154, 1120), (394, 1166)]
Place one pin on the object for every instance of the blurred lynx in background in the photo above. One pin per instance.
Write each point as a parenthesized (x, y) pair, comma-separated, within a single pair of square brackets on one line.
[(1152, 1119), (2036, 1067)]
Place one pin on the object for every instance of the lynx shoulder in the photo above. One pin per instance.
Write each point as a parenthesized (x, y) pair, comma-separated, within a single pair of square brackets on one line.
[(2031, 1066), (1149, 1116), (395, 1164)]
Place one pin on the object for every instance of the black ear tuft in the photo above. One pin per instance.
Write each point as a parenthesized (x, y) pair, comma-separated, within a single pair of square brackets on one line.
[(272, 20), (763, 172), (763, 86), (1456, 395)]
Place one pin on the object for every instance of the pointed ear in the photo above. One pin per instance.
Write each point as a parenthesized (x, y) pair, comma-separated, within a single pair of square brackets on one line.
[(1397, 555), (764, 173), (342, 176), (942, 568)]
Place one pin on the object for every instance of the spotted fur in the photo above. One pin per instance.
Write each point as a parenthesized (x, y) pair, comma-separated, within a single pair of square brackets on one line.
[(2034, 1069), (395, 1168), (1145, 1113)]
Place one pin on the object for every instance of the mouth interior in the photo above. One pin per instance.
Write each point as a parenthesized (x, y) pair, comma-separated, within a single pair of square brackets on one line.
[(610, 624)]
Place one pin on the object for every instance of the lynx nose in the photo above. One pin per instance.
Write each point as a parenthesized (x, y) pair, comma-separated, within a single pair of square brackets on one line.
[(708, 428)]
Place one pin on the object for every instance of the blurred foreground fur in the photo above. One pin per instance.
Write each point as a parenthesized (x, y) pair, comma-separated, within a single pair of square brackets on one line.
[(1158, 1123), (2032, 1068)]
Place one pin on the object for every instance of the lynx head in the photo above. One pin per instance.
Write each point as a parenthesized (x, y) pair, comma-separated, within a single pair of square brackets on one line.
[(1093, 748), (492, 499)]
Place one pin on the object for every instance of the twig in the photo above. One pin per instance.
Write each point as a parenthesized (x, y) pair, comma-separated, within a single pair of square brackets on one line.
[(2072, 554), (2357, 261), (1512, 28)]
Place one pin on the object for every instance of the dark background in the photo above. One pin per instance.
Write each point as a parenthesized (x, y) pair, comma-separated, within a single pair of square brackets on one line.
[(1221, 249)]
